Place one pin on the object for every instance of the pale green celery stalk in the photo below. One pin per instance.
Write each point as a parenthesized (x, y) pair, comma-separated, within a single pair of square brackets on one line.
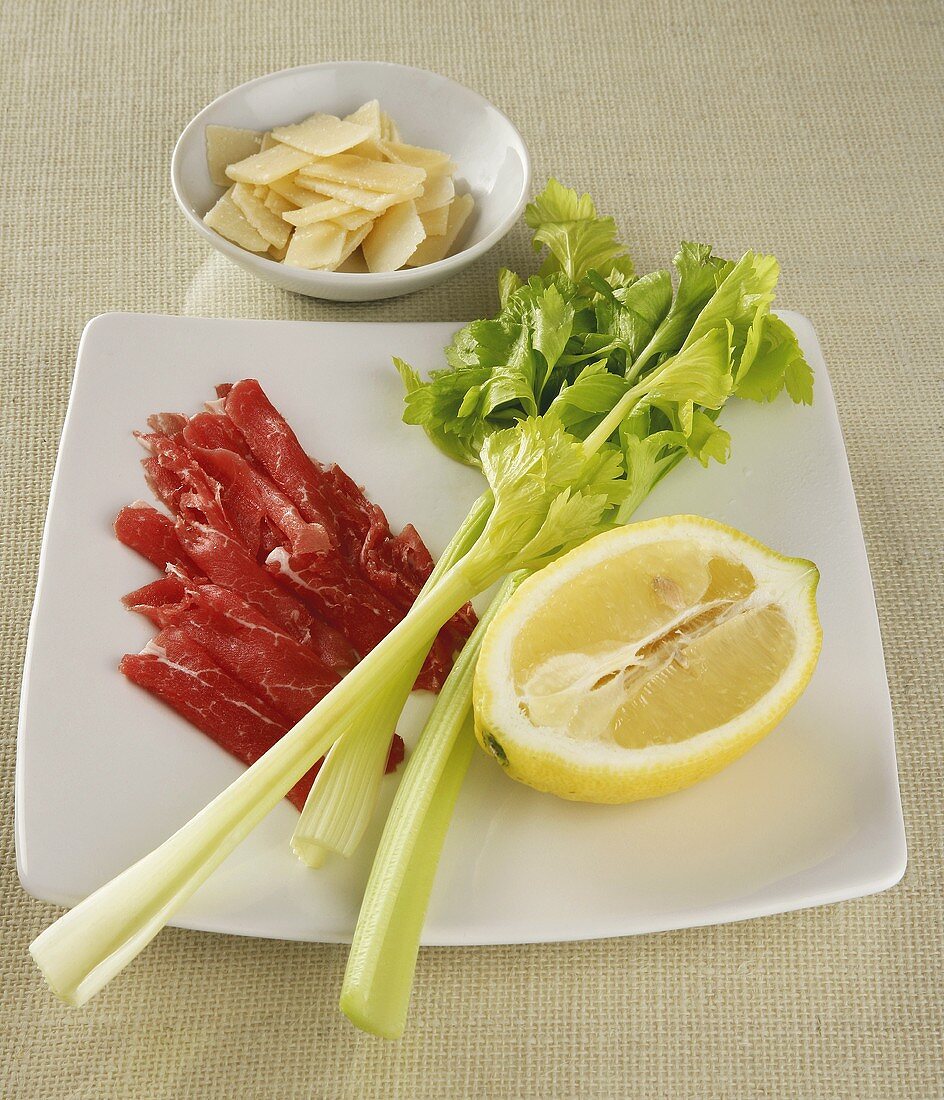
[(376, 991), (602, 432), (341, 801), (89, 945), (614, 418), (378, 980), (642, 360), (378, 1001)]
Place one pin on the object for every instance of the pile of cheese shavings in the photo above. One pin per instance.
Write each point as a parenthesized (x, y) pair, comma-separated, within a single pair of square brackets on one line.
[(330, 194)]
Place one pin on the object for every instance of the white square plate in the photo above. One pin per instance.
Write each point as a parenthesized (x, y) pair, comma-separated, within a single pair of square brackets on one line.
[(104, 772)]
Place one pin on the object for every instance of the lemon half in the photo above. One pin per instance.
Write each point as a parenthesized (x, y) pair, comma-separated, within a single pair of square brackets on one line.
[(645, 660)]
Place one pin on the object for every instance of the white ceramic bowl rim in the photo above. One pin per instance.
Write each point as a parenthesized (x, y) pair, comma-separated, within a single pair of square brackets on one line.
[(444, 266)]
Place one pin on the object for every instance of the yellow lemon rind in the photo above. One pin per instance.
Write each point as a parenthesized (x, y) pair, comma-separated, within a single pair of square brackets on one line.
[(549, 761)]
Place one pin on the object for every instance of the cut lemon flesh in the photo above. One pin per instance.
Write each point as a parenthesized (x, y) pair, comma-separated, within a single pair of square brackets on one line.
[(645, 660)]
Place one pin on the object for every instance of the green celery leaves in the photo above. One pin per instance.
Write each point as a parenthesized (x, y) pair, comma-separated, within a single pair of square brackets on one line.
[(577, 239), (586, 334), (549, 495), (778, 365)]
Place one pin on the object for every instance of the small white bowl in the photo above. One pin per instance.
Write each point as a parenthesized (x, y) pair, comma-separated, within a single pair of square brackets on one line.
[(429, 110)]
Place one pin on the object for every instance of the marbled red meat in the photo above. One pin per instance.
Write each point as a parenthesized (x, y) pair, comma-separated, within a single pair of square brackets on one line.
[(185, 677), (167, 423), (182, 674), (334, 590), (243, 484), (225, 562), (179, 482), (152, 535), (276, 448), (152, 600), (280, 670), (395, 567), (208, 429), (279, 575)]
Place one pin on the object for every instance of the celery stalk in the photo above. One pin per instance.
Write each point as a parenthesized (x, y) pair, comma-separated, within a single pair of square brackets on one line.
[(339, 806), (376, 991), (376, 999)]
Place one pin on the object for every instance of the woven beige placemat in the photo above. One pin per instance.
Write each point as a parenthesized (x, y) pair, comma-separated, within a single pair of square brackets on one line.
[(810, 129)]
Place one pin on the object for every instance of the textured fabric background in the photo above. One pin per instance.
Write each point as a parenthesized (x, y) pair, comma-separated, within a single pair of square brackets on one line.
[(810, 129)]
